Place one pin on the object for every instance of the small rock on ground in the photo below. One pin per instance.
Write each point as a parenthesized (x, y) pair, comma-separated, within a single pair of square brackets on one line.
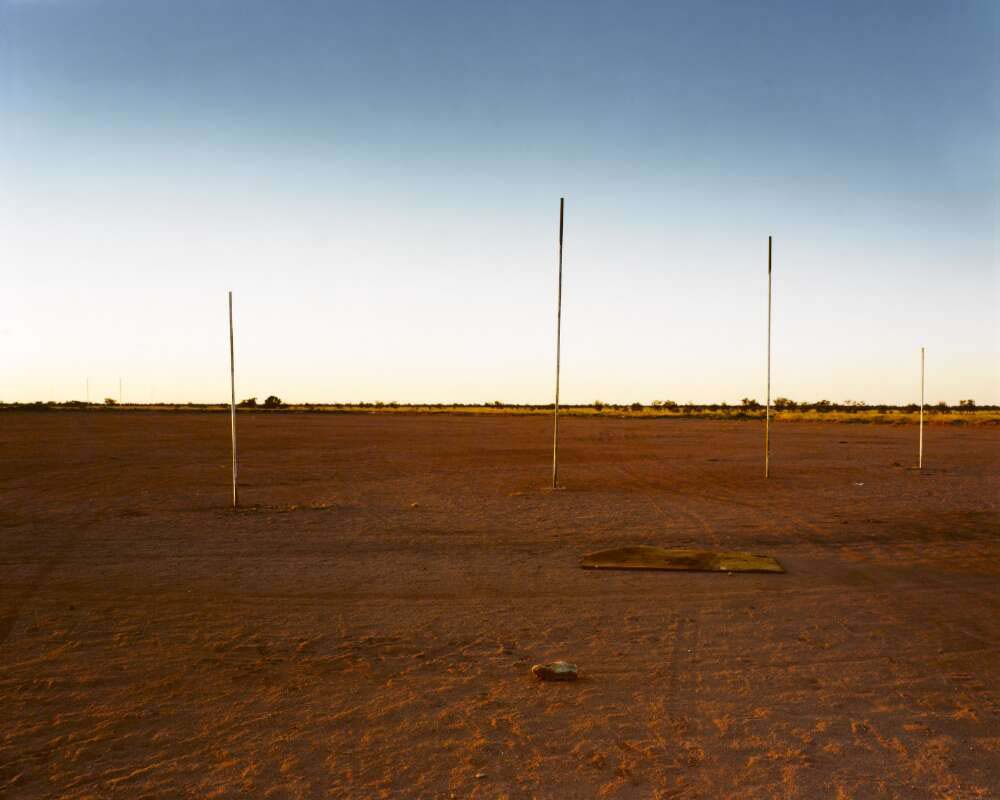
[(556, 671)]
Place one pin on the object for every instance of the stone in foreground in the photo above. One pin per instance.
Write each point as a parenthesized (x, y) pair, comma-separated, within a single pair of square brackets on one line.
[(646, 557), (556, 671)]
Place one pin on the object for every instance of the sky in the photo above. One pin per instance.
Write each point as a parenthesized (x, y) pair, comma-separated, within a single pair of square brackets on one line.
[(378, 184)]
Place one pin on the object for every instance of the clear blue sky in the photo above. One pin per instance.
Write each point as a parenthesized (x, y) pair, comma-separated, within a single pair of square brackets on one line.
[(379, 184)]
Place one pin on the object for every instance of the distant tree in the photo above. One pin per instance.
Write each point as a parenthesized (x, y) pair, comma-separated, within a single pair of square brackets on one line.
[(749, 402), (497, 404), (250, 402), (670, 405), (598, 405), (110, 401), (942, 406), (636, 406), (967, 404), (783, 402), (822, 405), (273, 401)]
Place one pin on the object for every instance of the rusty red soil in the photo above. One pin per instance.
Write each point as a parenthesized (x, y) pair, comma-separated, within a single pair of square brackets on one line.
[(367, 627)]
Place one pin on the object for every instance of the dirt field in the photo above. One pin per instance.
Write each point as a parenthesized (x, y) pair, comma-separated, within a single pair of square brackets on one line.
[(367, 627)]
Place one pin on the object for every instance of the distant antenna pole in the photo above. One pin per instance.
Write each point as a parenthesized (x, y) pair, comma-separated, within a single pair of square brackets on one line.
[(920, 452), (767, 413), (232, 396), (555, 426)]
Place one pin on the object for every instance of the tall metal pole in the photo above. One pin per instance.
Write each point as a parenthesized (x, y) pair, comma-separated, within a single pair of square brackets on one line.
[(555, 426), (767, 413), (232, 397), (920, 452)]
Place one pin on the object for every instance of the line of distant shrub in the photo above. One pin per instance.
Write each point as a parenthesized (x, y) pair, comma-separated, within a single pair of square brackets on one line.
[(967, 412)]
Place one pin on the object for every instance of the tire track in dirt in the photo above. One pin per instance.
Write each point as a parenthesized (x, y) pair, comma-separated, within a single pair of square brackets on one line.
[(638, 481), (689, 656), (762, 512), (721, 495), (693, 488), (62, 546), (683, 489)]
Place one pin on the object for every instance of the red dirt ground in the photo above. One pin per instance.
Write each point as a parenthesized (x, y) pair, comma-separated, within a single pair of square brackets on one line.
[(367, 628)]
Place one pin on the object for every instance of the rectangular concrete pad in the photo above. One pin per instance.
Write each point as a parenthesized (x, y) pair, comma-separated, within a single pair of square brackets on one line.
[(658, 558)]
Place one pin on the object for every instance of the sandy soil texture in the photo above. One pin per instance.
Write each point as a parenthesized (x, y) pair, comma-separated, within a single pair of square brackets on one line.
[(366, 627)]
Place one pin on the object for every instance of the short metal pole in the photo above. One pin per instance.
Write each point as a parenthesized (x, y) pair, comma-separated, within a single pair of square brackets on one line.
[(767, 413), (920, 452), (555, 426), (232, 398)]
